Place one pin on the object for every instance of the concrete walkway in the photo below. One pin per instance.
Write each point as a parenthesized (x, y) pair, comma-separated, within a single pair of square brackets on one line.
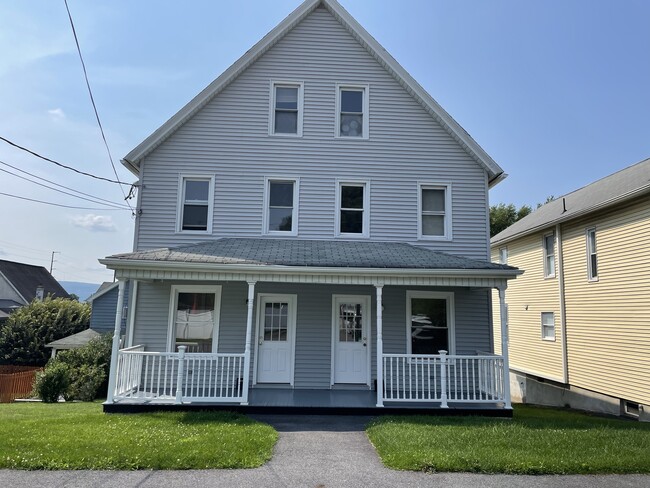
[(313, 452)]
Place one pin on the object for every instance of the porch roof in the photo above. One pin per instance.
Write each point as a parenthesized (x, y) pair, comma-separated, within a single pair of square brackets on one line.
[(269, 259), (310, 253)]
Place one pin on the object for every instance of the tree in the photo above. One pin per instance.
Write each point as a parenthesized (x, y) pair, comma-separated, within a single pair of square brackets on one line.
[(28, 329), (503, 216)]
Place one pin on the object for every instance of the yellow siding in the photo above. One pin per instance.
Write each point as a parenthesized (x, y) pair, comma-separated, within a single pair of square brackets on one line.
[(527, 297), (608, 321)]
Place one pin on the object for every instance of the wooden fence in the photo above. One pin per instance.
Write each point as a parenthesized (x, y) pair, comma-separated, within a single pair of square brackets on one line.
[(16, 382)]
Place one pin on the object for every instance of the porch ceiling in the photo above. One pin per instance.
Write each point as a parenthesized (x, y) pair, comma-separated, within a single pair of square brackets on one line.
[(309, 261)]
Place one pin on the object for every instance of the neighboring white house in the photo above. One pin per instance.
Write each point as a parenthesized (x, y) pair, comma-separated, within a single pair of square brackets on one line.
[(311, 225)]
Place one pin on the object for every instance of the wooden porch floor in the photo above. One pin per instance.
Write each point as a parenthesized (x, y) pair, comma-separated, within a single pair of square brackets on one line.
[(314, 402)]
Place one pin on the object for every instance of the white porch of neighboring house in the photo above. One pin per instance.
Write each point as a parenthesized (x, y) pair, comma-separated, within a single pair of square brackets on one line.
[(293, 303)]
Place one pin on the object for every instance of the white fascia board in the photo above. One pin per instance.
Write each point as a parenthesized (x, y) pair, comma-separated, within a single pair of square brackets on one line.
[(297, 270), (132, 159)]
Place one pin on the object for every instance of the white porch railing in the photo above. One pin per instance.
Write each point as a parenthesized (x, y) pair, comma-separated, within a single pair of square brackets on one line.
[(443, 378), (178, 377)]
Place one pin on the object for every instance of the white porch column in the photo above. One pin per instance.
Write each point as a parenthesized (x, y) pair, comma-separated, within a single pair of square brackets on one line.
[(112, 378), (504, 345), (249, 333), (380, 348)]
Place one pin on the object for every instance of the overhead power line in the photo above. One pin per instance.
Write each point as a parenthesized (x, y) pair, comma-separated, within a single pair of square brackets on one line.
[(93, 199), (58, 204), (22, 148), (92, 100)]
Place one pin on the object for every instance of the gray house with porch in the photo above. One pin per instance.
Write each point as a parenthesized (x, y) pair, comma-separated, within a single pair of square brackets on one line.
[(312, 231)]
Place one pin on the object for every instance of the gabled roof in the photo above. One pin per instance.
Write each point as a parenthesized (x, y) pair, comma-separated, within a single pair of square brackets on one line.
[(624, 185), (104, 288), (262, 252), (496, 174), (25, 278)]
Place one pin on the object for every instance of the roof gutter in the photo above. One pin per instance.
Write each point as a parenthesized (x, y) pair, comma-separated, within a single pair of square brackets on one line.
[(116, 264)]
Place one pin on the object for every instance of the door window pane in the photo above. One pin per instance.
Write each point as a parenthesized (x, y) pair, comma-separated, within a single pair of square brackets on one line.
[(429, 328), (276, 319), (350, 322)]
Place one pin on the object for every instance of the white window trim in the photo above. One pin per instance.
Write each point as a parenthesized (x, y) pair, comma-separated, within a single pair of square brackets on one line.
[(296, 200), (590, 275), (182, 177), (544, 338), (173, 304), (366, 209), (423, 185), (301, 90), (548, 274), (451, 314), (365, 88)]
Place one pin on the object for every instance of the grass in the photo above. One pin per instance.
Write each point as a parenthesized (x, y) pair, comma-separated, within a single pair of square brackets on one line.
[(536, 441), (80, 436)]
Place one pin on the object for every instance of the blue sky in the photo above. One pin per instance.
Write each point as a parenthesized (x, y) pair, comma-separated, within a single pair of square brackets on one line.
[(555, 91)]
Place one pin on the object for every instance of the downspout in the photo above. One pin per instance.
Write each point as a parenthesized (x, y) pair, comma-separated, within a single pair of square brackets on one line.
[(560, 269)]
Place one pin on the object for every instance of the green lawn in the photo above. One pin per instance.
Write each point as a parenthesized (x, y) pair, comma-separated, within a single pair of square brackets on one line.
[(80, 436), (537, 441)]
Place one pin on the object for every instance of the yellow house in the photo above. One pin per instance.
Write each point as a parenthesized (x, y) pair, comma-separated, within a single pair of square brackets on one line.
[(579, 317)]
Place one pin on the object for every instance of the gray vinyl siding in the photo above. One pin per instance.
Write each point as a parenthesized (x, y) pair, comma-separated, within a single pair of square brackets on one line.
[(104, 308), (229, 139), (313, 348)]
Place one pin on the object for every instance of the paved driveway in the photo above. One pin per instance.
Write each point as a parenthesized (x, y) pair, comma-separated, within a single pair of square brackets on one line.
[(313, 452)]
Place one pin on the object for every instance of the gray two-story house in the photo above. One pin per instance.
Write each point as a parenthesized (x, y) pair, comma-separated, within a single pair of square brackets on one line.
[(312, 230)]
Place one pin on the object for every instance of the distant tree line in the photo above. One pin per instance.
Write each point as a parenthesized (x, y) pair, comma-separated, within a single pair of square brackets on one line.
[(503, 216)]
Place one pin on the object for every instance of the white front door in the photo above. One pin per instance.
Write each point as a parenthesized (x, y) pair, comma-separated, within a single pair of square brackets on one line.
[(351, 329), (275, 332)]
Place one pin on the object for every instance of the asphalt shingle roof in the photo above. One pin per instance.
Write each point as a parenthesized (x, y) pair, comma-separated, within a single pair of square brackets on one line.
[(26, 278), (631, 181), (311, 253)]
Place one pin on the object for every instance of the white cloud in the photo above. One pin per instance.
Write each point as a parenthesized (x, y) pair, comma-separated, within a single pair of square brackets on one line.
[(94, 223), (56, 113)]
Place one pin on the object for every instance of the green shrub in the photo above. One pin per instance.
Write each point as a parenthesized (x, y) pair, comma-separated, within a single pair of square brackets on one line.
[(86, 380), (89, 368), (25, 333), (53, 382)]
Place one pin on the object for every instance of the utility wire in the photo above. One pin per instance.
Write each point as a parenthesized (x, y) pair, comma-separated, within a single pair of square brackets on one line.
[(92, 100), (112, 205), (98, 200), (60, 164), (58, 204)]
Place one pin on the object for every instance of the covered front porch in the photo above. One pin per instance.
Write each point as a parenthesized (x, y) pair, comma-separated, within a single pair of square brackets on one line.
[(312, 320)]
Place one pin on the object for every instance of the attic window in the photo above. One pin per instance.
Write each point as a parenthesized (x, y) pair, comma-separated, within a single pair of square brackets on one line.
[(286, 109), (352, 111)]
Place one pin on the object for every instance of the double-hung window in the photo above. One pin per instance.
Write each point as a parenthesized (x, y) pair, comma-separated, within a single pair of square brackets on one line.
[(548, 326), (195, 204), (548, 245), (352, 111), (434, 209), (286, 109), (429, 322), (353, 212), (592, 260), (503, 255), (281, 206)]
